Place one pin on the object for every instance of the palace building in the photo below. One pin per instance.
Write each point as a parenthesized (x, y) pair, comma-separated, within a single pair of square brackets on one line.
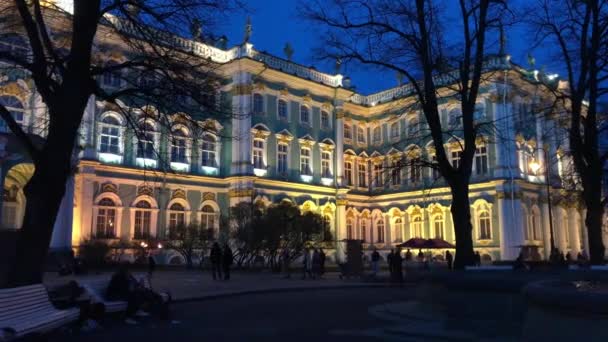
[(307, 137)]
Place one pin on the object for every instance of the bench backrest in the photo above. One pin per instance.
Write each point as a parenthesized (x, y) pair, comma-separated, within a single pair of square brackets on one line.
[(21, 302)]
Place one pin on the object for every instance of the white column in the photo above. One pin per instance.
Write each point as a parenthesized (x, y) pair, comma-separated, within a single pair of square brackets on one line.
[(241, 124), (339, 129), (511, 224), (585, 236), (561, 229), (546, 230), (387, 230), (505, 151), (573, 225)]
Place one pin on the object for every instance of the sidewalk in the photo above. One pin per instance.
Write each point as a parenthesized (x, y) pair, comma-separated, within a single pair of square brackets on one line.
[(185, 285)]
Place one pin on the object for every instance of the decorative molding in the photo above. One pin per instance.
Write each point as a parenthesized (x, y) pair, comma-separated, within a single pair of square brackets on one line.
[(306, 142), (340, 113), (326, 105), (145, 190), (208, 196), (341, 202), (109, 187), (240, 193), (13, 89), (179, 193), (242, 89), (307, 98), (259, 86), (285, 92)]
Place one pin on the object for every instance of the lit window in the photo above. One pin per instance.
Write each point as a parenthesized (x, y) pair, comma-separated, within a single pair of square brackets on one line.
[(106, 219), (348, 133), (304, 115), (360, 135), (258, 154), (179, 147), (363, 232), (282, 158), (348, 173), (349, 229), (324, 120), (143, 218), (282, 109), (398, 228), (109, 140), (481, 160), (417, 226), (145, 146), (456, 156), (305, 168), (438, 226), (177, 216), (258, 104), (208, 219), (362, 174), (325, 164), (485, 230), (209, 151), (380, 230)]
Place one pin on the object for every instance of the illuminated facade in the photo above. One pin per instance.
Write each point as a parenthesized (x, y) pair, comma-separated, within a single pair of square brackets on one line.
[(304, 136)]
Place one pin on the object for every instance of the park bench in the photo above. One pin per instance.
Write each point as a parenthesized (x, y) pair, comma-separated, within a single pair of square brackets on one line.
[(97, 290), (489, 268), (28, 309)]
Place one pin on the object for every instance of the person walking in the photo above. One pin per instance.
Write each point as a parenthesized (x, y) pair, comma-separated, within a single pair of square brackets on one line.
[(322, 261), (306, 264), (227, 259), (316, 263), (449, 258), (215, 256), (285, 263), (389, 261), (408, 255), (398, 270), (375, 261)]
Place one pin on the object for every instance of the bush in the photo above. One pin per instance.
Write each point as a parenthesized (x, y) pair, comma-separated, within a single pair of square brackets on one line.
[(94, 253)]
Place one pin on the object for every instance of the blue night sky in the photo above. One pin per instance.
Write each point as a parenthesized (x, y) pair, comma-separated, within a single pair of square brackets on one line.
[(276, 22)]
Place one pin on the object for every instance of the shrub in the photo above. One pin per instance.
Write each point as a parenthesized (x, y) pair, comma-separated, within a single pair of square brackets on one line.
[(94, 253)]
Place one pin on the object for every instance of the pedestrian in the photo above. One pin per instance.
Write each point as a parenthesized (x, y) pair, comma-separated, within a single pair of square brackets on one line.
[(227, 259), (285, 262), (316, 263), (420, 256), (151, 265), (375, 261), (449, 258), (322, 257), (477, 259), (408, 255), (215, 256), (307, 263), (397, 267), (389, 261)]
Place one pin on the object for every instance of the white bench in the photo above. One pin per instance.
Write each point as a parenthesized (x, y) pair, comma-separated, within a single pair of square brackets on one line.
[(97, 290), (489, 268), (599, 267), (27, 309)]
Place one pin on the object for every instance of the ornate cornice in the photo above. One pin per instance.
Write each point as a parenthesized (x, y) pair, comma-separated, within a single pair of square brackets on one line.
[(240, 193), (340, 113)]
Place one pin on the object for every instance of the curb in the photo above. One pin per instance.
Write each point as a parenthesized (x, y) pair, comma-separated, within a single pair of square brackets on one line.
[(282, 290)]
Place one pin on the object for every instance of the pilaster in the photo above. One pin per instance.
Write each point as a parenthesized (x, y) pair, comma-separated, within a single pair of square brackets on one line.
[(574, 228), (339, 129), (242, 87)]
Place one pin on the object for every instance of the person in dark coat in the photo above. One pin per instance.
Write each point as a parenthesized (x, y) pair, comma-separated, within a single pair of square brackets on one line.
[(375, 262), (215, 256), (123, 287), (408, 255), (316, 263), (227, 259), (322, 257), (397, 267), (449, 258), (151, 265), (389, 261)]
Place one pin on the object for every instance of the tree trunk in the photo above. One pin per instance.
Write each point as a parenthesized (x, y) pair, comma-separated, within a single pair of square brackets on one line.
[(593, 221), (461, 216)]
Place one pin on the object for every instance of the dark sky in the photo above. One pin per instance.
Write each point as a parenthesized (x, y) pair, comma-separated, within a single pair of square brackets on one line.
[(276, 22)]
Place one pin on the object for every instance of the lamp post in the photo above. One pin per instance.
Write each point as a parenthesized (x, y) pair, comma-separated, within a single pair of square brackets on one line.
[(534, 167)]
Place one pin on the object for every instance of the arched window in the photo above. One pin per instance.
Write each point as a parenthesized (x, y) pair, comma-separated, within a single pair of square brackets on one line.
[(143, 220), (349, 229), (304, 115), (208, 219), (326, 164), (282, 109), (305, 161), (258, 154), (348, 133), (177, 216), (258, 104), (380, 230), (395, 172), (360, 135), (438, 224), (398, 230), (145, 145), (348, 172), (485, 225), (362, 174), (481, 160), (395, 130), (363, 232), (15, 107), (282, 156), (416, 226), (208, 152), (106, 219), (456, 154), (109, 140), (325, 120), (179, 147), (377, 135)]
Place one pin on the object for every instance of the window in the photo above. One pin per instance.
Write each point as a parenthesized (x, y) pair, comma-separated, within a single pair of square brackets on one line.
[(111, 78), (282, 110), (363, 232), (349, 229), (412, 127), (258, 154), (106, 219), (143, 218), (378, 174), (480, 112), (208, 157), (258, 104), (208, 219), (305, 168), (417, 226), (109, 140), (14, 106), (438, 226), (360, 135), (325, 164), (362, 174), (456, 156), (398, 228), (179, 147), (454, 117), (348, 133), (395, 173), (415, 170), (177, 216), (435, 173), (145, 145), (305, 115), (395, 130), (380, 230), (348, 173), (377, 135), (325, 120), (481, 160), (485, 230), (282, 158)]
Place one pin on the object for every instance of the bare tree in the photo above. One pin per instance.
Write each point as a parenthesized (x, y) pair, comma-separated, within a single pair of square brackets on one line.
[(409, 37), (66, 54), (578, 33)]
